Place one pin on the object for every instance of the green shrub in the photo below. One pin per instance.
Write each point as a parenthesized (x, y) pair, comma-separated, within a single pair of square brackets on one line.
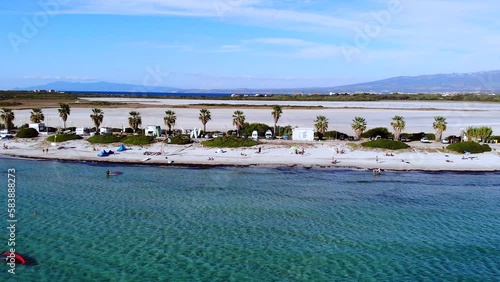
[(336, 134), (180, 139), (106, 138), (382, 131), (470, 146), (27, 133), (229, 142), (285, 130), (63, 137), (138, 140), (385, 144)]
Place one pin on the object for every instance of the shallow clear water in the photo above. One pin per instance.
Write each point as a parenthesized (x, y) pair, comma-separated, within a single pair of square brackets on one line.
[(248, 224)]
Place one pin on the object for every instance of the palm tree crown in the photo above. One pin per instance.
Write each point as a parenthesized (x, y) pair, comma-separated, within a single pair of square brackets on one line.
[(135, 120), (398, 125), (238, 120), (37, 115), (97, 116), (439, 126), (321, 124), (7, 116), (359, 126), (64, 112), (169, 119), (277, 111), (204, 118)]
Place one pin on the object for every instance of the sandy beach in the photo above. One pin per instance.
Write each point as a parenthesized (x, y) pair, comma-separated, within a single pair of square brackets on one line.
[(276, 153), (323, 155)]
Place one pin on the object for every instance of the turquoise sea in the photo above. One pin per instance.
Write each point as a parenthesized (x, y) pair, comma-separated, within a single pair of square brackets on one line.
[(156, 223)]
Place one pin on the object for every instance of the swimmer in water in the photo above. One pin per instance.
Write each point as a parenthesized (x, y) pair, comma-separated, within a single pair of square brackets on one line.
[(108, 172)]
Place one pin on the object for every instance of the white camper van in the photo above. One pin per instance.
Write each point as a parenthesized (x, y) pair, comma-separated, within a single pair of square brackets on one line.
[(40, 127), (269, 134), (105, 130), (255, 135), (82, 131)]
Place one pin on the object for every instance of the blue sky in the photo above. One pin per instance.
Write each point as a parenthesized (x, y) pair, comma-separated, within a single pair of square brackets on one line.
[(243, 43)]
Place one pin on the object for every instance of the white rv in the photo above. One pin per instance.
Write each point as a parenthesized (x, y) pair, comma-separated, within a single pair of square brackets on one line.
[(105, 130), (255, 135), (82, 131), (152, 130), (40, 127), (269, 134)]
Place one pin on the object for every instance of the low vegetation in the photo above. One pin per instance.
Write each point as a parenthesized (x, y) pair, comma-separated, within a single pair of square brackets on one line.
[(106, 139), (180, 139), (27, 133), (63, 137), (385, 144), (472, 147), (229, 142), (138, 140)]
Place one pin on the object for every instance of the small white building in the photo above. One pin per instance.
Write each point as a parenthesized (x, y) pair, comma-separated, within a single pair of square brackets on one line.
[(303, 134), (152, 130), (40, 127)]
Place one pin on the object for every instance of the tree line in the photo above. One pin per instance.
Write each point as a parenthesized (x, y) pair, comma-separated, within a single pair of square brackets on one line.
[(321, 123)]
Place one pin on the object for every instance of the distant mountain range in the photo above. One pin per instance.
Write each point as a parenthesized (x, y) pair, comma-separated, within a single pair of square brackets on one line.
[(100, 86), (480, 82)]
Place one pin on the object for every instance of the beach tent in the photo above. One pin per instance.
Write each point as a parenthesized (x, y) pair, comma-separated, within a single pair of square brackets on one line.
[(121, 148), (110, 152), (103, 153)]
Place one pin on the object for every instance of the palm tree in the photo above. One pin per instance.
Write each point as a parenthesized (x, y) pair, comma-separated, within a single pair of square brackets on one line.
[(439, 126), (359, 126), (7, 116), (204, 118), (97, 116), (134, 120), (277, 111), (37, 115), (398, 125), (321, 124), (64, 111), (238, 120), (170, 120)]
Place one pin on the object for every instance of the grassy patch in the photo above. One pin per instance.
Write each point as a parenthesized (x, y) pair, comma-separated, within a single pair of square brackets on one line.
[(105, 139), (138, 140), (229, 142), (27, 133), (181, 139), (385, 144), (472, 147), (63, 137), (9, 104)]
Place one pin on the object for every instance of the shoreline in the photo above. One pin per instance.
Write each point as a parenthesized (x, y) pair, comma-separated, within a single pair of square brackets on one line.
[(207, 166), (274, 155)]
